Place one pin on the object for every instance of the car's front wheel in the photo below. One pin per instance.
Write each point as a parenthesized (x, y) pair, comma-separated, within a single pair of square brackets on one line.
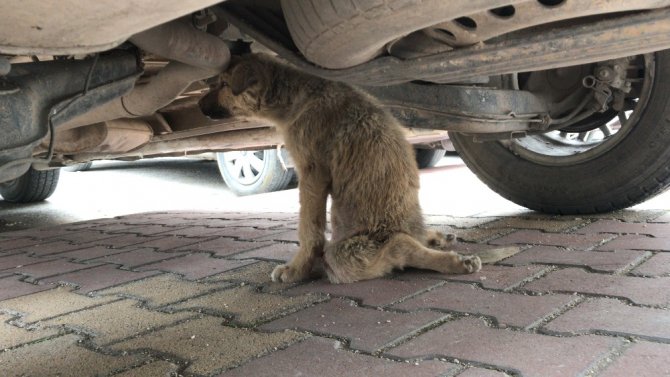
[(609, 161), (254, 172), (33, 186)]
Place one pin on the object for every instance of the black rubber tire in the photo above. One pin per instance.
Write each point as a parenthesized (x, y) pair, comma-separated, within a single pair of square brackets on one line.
[(272, 178), (341, 34), (427, 158), (33, 186), (632, 171), (78, 167)]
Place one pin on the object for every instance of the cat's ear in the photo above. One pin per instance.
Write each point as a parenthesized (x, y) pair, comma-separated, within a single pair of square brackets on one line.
[(243, 77)]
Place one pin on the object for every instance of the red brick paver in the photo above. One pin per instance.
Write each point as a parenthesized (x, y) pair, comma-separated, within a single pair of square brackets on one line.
[(187, 293)]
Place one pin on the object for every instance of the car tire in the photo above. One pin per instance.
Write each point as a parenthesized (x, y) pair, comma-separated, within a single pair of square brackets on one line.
[(633, 170), (254, 172), (33, 186), (78, 167), (428, 158)]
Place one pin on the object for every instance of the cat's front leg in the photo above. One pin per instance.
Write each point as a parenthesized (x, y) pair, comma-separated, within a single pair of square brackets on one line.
[(311, 230)]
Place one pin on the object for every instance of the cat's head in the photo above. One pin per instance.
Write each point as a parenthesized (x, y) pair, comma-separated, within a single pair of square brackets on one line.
[(240, 90)]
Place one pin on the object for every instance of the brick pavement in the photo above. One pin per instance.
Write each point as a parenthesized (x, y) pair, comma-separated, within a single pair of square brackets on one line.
[(189, 294)]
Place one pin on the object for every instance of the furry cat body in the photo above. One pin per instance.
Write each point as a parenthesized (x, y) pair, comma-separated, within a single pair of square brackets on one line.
[(344, 145)]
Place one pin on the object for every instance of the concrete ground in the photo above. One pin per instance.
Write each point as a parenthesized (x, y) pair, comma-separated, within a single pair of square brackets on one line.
[(187, 292)]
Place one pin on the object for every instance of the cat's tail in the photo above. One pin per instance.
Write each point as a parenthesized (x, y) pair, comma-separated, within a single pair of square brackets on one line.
[(361, 258)]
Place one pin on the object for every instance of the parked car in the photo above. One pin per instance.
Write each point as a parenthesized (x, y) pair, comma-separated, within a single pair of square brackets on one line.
[(513, 81)]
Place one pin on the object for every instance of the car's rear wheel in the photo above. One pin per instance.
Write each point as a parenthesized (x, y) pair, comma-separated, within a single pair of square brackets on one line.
[(254, 172), (33, 186), (611, 161), (427, 158)]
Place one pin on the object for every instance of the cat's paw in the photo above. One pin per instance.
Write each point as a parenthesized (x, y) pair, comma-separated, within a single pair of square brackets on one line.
[(285, 273), (440, 241), (471, 263)]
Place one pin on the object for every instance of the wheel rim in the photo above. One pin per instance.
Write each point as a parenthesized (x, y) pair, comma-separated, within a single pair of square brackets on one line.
[(246, 167), (564, 148)]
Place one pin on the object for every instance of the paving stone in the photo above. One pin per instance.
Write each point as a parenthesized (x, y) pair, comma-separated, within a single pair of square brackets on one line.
[(12, 336), (469, 339), (264, 223), (597, 260), (10, 244), (97, 278), (136, 258), (88, 253), (161, 290), (195, 266), (535, 237), (12, 262), (170, 243), (657, 265), (618, 227), (193, 231), (367, 329), (256, 273), (630, 242), (547, 225), (80, 237), (13, 287), (51, 268), (210, 346), (61, 357), (121, 241), (325, 357), (246, 304), (457, 222), (114, 321), (646, 291), (629, 215), (54, 302), (508, 308), (377, 292), (39, 249), (245, 233), (284, 236), (156, 368), (223, 246), (490, 276), (643, 359), (142, 230), (282, 252), (614, 316), (481, 372), (661, 219)]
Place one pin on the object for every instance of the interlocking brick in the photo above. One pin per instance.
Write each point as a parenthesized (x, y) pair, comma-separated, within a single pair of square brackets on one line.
[(12, 336), (631, 242), (367, 329), (12, 262), (170, 243), (50, 268), (256, 273), (246, 304), (90, 253), (224, 246), (194, 231), (661, 219), (377, 292), (629, 215), (470, 339), (545, 224), (264, 223), (97, 278), (282, 252), (646, 291), (332, 360), (142, 230), (643, 359), (136, 258), (480, 372), (284, 236), (54, 302), (13, 287), (162, 289), (49, 248), (509, 309), (156, 368), (61, 357), (617, 227), (210, 346), (245, 232), (608, 261), (195, 266), (535, 237), (490, 276), (614, 316), (80, 237), (10, 244), (114, 321), (457, 222), (657, 265)]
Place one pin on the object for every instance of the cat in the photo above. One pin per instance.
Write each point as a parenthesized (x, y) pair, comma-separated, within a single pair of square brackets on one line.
[(343, 144)]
